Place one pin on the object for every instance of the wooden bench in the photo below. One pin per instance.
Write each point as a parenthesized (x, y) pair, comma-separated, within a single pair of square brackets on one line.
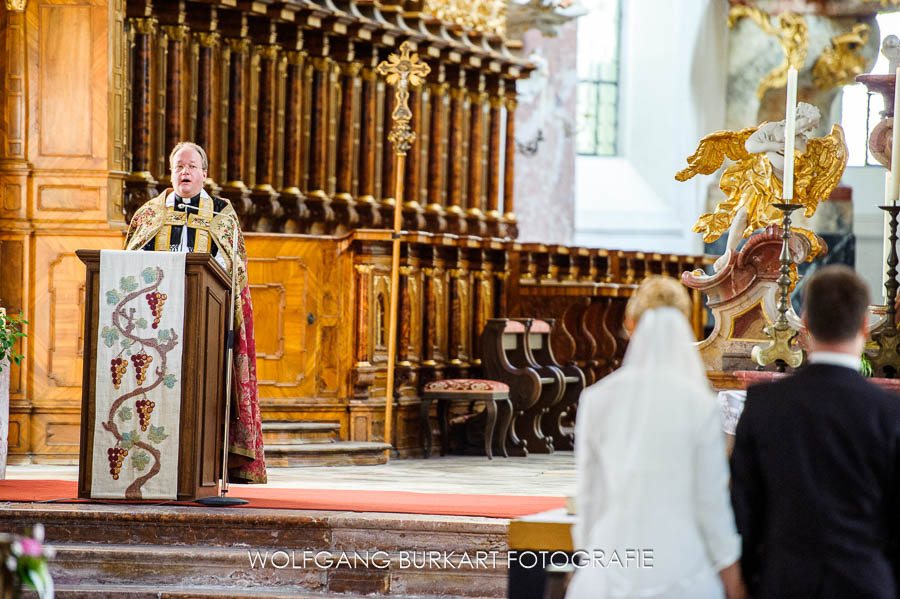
[(558, 421), (470, 390)]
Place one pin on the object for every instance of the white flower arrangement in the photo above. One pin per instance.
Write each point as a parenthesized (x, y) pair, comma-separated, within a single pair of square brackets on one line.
[(26, 559)]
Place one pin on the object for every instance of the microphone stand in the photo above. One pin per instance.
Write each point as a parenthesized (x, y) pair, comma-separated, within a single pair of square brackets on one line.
[(221, 500)]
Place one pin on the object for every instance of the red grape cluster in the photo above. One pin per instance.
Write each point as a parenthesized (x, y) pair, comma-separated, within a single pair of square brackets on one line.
[(116, 455), (118, 368), (141, 364), (156, 300), (144, 408)]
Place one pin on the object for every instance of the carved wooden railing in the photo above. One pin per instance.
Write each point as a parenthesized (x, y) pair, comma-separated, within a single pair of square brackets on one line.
[(285, 99)]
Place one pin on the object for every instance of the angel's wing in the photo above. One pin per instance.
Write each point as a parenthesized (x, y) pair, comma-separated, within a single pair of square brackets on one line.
[(712, 151), (826, 158)]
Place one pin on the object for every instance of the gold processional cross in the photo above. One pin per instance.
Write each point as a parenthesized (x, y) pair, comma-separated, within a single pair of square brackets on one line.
[(402, 72)]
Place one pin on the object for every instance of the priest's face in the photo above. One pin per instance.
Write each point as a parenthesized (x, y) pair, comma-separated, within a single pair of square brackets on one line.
[(188, 174)]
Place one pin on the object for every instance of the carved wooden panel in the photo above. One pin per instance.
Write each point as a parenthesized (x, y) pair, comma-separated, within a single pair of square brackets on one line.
[(56, 323)]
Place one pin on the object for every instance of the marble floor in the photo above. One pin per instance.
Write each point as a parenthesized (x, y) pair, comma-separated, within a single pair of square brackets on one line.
[(550, 475)]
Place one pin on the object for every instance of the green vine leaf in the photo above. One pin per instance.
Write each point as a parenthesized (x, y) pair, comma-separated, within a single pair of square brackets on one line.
[(149, 275), (169, 380), (141, 323), (110, 336), (112, 297), (164, 335), (140, 461), (125, 414), (126, 343), (129, 439), (128, 284), (157, 434)]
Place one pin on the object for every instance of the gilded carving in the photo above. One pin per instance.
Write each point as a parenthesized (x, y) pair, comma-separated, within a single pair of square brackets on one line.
[(207, 39), (15, 5), (321, 63), (792, 34), (402, 71), (268, 52), (351, 69), (485, 16), (841, 63), (177, 33), (238, 46), (295, 57), (144, 25)]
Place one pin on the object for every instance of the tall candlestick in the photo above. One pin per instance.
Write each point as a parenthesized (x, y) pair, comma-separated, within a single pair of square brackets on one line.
[(888, 190), (891, 198), (790, 126)]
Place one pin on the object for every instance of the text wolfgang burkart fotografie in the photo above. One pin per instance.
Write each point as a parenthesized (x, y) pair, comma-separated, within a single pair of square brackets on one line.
[(448, 560)]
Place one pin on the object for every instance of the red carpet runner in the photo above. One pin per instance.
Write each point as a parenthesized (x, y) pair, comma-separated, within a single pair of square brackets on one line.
[(402, 502)]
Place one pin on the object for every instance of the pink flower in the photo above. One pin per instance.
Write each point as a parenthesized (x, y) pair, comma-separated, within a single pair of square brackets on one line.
[(31, 547)]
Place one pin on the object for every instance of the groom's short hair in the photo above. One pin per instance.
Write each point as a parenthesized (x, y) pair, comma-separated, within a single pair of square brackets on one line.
[(835, 303)]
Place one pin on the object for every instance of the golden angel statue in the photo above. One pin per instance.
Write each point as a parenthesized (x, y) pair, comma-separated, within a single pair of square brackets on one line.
[(753, 183)]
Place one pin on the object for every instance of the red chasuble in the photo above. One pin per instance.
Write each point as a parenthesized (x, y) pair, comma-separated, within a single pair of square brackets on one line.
[(151, 229)]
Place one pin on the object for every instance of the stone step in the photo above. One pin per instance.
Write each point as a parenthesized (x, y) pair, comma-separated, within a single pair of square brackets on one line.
[(339, 453), (386, 574), (281, 432), (109, 591)]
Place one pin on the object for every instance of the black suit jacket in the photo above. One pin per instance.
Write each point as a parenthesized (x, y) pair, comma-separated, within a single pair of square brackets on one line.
[(816, 486)]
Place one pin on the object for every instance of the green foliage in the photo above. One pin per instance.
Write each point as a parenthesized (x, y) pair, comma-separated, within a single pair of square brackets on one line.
[(112, 297), (141, 323), (10, 332), (129, 439), (125, 413), (157, 434), (110, 336), (128, 284), (149, 275), (140, 461), (169, 380), (865, 367)]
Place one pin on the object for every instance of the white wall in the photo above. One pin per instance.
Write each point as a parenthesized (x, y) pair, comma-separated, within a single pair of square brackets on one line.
[(673, 81), (867, 183)]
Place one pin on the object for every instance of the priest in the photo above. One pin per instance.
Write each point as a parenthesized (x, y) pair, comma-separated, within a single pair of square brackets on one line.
[(161, 225)]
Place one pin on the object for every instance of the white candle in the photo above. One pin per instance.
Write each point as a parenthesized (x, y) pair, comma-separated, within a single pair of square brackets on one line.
[(891, 196), (790, 126)]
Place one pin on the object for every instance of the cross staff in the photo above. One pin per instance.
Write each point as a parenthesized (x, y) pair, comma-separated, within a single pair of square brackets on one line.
[(402, 72)]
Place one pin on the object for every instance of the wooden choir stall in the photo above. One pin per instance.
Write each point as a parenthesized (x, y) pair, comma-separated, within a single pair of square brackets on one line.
[(286, 99)]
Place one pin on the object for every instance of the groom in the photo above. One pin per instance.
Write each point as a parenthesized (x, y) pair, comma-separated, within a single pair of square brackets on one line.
[(816, 463)]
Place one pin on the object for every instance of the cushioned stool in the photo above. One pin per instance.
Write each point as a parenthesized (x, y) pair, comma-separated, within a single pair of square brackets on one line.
[(490, 392)]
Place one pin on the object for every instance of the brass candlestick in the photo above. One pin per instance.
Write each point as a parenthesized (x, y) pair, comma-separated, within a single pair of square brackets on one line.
[(781, 333), (886, 360), (402, 71)]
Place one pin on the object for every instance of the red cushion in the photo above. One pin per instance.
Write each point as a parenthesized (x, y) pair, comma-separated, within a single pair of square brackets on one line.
[(466, 386), (540, 326), (514, 326)]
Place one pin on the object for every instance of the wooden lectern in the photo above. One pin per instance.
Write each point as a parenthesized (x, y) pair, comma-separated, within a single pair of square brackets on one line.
[(202, 375)]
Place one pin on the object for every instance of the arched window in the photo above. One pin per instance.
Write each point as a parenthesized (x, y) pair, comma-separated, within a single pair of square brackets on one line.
[(598, 78)]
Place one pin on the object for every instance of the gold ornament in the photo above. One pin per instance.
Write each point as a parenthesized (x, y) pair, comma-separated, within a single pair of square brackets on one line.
[(15, 5), (751, 184), (402, 71), (841, 63), (484, 16), (793, 35)]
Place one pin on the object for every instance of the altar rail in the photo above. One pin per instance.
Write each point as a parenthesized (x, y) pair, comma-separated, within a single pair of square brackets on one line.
[(286, 99)]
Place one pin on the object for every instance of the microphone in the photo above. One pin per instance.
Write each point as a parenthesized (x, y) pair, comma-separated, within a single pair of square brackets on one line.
[(222, 500)]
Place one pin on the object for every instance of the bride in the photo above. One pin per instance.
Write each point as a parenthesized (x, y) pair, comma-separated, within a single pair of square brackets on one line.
[(652, 473)]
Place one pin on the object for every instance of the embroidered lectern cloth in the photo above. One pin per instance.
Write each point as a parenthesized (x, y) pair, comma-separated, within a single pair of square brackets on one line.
[(138, 401)]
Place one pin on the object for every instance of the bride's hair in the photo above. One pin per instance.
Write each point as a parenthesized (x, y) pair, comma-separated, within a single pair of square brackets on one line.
[(658, 292)]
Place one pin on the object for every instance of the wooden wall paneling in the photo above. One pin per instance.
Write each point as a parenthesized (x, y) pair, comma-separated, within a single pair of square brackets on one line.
[(413, 213), (119, 160), (366, 203), (454, 211), (267, 211), (322, 218), (291, 196), (208, 109), (509, 161), (177, 77), (474, 189), (140, 183), (234, 188), (347, 71), (15, 262), (443, 256), (493, 217), (437, 150), (363, 374), (386, 201)]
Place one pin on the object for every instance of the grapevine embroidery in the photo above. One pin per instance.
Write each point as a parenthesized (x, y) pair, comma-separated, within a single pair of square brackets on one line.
[(139, 346)]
